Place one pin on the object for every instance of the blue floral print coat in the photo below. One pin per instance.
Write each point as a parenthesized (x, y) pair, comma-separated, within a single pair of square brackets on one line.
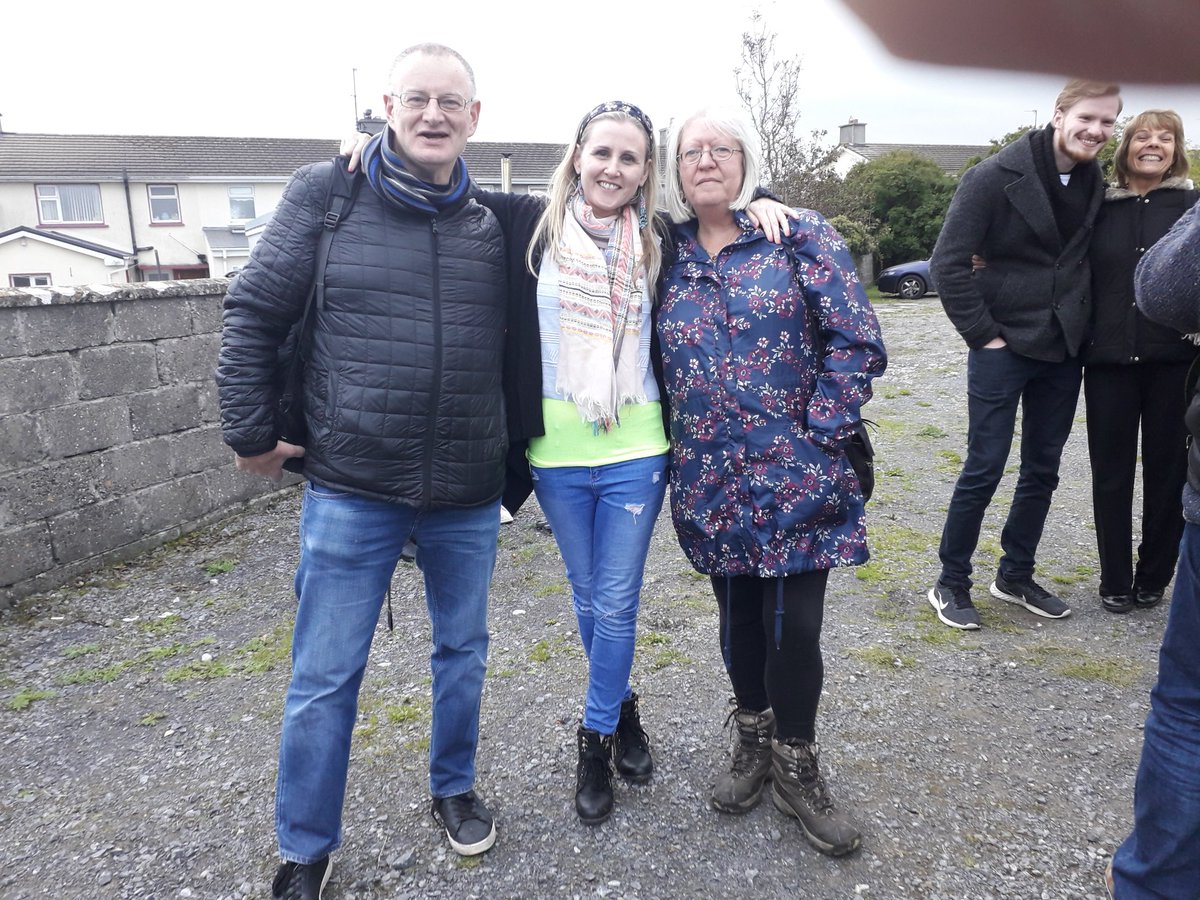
[(759, 482)]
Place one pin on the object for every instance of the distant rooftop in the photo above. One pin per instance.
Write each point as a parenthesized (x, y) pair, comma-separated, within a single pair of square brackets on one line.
[(108, 157)]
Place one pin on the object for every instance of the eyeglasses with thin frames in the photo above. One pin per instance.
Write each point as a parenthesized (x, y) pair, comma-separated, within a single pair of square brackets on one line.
[(719, 154), (450, 103)]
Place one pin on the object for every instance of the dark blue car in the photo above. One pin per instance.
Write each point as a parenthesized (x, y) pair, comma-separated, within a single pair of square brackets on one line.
[(910, 280)]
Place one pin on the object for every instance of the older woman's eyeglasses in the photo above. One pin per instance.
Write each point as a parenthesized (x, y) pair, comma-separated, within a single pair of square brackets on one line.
[(719, 154), (446, 102)]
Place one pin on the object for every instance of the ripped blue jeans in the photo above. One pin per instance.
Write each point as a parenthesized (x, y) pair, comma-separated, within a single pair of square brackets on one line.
[(602, 518)]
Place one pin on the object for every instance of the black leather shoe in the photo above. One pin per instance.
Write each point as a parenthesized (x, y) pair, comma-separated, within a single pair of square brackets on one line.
[(298, 881), (1118, 603), (469, 824), (631, 745), (593, 778), (1146, 599)]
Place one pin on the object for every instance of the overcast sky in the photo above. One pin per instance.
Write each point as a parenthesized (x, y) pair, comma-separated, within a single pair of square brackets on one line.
[(269, 68)]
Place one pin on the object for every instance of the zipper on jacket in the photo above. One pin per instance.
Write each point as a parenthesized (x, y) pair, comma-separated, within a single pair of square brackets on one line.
[(435, 397)]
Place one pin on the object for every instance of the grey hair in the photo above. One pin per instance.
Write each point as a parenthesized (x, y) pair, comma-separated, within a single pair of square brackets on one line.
[(728, 123), (431, 49)]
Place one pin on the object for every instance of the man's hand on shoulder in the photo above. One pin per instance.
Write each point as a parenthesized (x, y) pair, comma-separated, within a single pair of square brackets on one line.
[(269, 464)]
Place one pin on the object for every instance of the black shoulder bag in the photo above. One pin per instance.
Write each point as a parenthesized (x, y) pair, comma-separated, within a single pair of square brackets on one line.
[(293, 352)]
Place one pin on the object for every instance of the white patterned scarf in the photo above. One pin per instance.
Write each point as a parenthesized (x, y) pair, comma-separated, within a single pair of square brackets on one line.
[(600, 313)]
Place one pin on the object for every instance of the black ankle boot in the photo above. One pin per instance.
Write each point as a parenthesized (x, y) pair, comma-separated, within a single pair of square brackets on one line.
[(631, 745), (593, 778)]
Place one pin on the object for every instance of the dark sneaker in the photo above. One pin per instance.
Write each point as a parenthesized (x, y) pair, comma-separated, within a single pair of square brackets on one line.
[(469, 824), (1145, 599), (953, 606), (1031, 595), (1117, 603), (297, 881)]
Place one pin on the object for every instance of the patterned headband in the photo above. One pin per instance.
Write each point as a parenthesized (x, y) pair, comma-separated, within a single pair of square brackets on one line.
[(622, 107)]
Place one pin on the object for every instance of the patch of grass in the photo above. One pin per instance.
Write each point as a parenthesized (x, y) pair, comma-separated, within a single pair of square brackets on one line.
[(931, 431), (96, 676), (872, 572), (652, 639), (199, 670), (26, 697), (80, 650), (502, 673), (550, 589), (1073, 662), (668, 656), (399, 713), (262, 654), (890, 613), (163, 625), (469, 862), (882, 658), (541, 652), (949, 458), (525, 555), (694, 575), (156, 653), (151, 719), (219, 566), (923, 403)]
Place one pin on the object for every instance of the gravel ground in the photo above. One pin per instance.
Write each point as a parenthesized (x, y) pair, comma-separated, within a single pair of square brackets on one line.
[(139, 713)]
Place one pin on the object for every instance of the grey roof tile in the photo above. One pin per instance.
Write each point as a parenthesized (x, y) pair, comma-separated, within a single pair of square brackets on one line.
[(107, 157)]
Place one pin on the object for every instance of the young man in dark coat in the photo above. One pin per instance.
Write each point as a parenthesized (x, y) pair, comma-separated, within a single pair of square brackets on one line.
[(1012, 271), (406, 439)]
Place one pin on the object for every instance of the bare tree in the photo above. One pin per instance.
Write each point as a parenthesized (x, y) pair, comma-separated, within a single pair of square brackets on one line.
[(769, 88)]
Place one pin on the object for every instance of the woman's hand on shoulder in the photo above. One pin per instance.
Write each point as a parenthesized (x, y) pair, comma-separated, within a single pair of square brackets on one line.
[(772, 217), (352, 147)]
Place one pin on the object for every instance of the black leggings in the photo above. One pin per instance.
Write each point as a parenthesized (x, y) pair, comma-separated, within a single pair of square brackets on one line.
[(786, 677)]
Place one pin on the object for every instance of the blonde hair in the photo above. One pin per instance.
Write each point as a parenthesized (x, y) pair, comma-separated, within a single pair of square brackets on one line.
[(548, 233), (1166, 119)]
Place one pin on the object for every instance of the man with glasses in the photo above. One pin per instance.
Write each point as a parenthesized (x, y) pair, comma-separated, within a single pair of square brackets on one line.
[(406, 430)]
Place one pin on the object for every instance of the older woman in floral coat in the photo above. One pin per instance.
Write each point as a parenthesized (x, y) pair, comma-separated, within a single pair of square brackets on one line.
[(768, 353)]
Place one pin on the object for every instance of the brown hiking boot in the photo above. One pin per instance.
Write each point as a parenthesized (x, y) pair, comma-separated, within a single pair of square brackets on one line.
[(740, 789), (799, 791)]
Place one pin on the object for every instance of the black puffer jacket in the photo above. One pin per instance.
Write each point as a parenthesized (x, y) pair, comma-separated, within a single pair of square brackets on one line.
[(1126, 227), (403, 388)]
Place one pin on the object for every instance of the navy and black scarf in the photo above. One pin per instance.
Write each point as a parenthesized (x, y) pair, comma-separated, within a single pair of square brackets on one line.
[(395, 184)]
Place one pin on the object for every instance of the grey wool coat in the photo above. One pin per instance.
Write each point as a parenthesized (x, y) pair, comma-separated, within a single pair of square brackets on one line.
[(1034, 290)]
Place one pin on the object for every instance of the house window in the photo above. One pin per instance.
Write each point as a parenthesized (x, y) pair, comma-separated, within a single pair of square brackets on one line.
[(241, 202), (164, 203), (69, 204), (24, 281)]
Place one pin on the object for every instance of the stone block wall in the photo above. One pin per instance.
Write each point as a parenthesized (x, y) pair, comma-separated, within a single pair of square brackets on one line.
[(109, 429)]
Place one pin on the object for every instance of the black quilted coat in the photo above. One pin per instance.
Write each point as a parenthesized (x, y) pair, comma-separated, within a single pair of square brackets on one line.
[(403, 387)]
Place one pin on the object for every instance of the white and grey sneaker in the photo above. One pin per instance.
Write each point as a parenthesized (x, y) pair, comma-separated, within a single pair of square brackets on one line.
[(953, 606), (1031, 595)]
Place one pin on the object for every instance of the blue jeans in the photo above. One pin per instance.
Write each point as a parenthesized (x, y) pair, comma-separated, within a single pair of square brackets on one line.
[(997, 380), (603, 518), (1161, 857), (349, 546)]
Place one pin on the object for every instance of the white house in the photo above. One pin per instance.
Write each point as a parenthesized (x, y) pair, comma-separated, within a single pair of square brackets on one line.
[(80, 209), (853, 149)]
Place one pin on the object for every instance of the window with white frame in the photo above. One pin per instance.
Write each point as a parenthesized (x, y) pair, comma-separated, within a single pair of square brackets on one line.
[(241, 202), (69, 204), (24, 281), (164, 203)]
